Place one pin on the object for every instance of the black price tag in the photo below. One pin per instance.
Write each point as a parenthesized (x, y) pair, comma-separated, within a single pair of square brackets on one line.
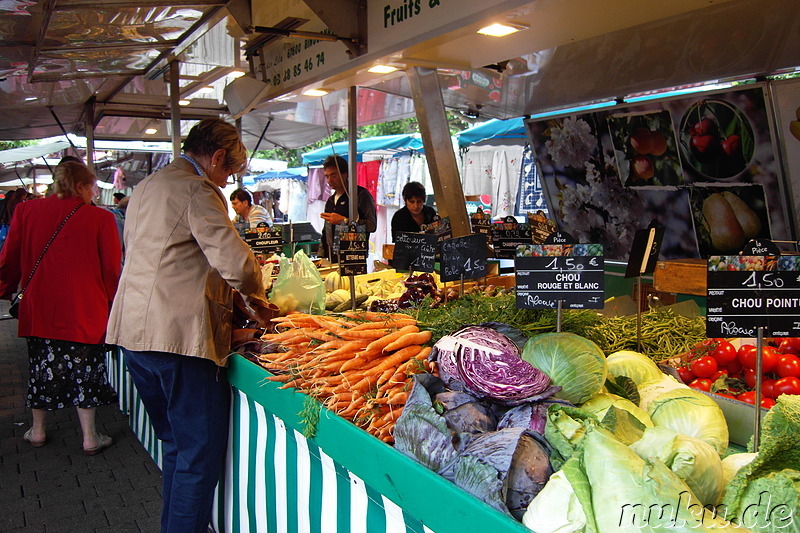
[(463, 256), (541, 226), (353, 247), (559, 237), (549, 273), (439, 227), (265, 240), (746, 293), (644, 251), (415, 252), (507, 235)]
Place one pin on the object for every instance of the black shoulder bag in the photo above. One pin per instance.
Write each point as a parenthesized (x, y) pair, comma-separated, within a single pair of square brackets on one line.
[(13, 310)]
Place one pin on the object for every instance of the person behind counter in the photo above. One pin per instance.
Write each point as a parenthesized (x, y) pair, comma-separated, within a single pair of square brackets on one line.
[(409, 219), (248, 215), (337, 208), (172, 313)]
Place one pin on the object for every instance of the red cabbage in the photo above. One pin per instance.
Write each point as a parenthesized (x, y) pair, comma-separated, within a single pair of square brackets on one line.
[(444, 351), (502, 376)]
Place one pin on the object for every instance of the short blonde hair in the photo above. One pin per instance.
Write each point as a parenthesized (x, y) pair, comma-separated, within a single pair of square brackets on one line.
[(211, 134), (68, 175)]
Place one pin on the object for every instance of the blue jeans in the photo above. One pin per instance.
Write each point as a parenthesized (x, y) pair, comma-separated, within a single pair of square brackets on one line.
[(188, 401)]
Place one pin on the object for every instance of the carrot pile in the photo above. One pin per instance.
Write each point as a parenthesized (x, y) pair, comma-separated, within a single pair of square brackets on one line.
[(359, 365)]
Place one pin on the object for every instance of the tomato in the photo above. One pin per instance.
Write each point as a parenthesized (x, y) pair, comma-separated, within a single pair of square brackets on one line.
[(790, 345), (768, 388), (718, 374), (702, 384), (724, 353), (750, 377), (726, 395), (788, 365), (704, 367), (767, 403), (747, 397), (788, 385), (685, 373), (734, 368), (747, 357)]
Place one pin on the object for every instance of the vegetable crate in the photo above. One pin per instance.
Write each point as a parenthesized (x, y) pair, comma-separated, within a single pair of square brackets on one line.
[(341, 479)]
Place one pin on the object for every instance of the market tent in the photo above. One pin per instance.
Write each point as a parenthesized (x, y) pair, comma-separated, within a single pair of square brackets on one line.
[(513, 128), (382, 143), (289, 173), (26, 153)]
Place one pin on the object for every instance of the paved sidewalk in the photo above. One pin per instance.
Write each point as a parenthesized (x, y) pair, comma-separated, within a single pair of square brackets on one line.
[(56, 488)]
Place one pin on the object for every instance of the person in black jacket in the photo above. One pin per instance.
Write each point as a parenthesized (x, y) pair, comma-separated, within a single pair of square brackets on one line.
[(409, 219), (337, 208)]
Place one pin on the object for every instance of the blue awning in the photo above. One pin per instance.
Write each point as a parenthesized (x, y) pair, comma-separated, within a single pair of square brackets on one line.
[(513, 128), (297, 173), (388, 143)]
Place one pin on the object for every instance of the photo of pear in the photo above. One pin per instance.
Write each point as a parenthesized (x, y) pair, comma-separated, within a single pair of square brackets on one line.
[(751, 224), (724, 228)]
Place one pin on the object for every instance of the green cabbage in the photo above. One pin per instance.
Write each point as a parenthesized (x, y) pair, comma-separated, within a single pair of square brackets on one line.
[(733, 463), (692, 413), (601, 402), (572, 362), (640, 368), (556, 508), (651, 391), (692, 460)]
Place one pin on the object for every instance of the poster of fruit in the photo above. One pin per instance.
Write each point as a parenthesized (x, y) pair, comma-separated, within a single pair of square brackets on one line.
[(786, 96), (646, 149), (727, 217)]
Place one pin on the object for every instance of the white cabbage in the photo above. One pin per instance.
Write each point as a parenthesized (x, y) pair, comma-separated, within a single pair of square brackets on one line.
[(692, 460), (600, 403), (650, 391), (692, 413), (640, 368), (555, 509), (733, 463)]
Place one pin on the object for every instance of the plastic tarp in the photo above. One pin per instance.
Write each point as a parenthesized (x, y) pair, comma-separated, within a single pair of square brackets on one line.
[(296, 173), (513, 128), (26, 153), (385, 143)]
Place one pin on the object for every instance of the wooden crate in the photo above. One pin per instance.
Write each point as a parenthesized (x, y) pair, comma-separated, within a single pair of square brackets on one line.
[(684, 276)]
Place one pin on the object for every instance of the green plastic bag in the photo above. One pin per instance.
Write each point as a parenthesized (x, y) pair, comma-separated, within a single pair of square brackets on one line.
[(299, 286)]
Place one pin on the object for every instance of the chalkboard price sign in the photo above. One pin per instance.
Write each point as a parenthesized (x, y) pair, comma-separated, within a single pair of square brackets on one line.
[(746, 293), (415, 252), (480, 222), (463, 256), (507, 235), (541, 226), (353, 251), (572, 274), (265, 240)]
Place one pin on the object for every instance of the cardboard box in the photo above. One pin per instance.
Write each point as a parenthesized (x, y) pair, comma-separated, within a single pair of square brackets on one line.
[(684, 276)]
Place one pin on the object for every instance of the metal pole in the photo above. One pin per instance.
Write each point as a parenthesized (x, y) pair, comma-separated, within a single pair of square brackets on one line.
[(559, 314), (352, 173), (759, 378), (89, 126), (175, 107)]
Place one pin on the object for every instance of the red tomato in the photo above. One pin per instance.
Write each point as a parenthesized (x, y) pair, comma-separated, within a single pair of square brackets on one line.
[(750, 377), (686, 374), (789, 385), (702, 384), (767, 403), (734, 368), (718, 374), (747, 357), (704, 367), (768, 388), (726, 395), (790, 345), (747, 397), (724, 353), (788, 365)]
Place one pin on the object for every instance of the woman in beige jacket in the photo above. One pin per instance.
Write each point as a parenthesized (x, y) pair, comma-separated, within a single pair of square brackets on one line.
[(173, 309)]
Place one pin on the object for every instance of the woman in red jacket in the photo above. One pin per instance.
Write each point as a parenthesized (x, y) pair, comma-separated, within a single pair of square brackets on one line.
[(66, 302)]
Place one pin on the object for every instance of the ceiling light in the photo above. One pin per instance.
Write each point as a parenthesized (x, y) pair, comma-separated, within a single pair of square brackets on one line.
[(501, 30), (382, 69), (31, 98), (151, 131), (184, 102), (315, 92), (207, 89), (236, 74)]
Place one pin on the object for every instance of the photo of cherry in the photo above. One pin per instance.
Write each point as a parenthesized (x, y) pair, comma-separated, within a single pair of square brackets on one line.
[(716, 139), (646, 149)]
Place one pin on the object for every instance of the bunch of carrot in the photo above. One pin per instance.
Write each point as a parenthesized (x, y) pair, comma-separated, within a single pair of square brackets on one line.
[(359, 365)]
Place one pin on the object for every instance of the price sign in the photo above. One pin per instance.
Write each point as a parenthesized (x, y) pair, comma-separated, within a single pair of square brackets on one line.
[(481, 222), (415, 252), (463, 256), (572, 274), (746, 293), (541, 226), (265, 240), (353, 250), (644, 251), (439, 227), (507, 235)]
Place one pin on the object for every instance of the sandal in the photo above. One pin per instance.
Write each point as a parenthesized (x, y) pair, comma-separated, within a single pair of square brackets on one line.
[(27, 437), (103, 442)]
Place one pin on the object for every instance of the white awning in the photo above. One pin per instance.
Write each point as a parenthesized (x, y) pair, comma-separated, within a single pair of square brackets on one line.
[(26, 153)]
